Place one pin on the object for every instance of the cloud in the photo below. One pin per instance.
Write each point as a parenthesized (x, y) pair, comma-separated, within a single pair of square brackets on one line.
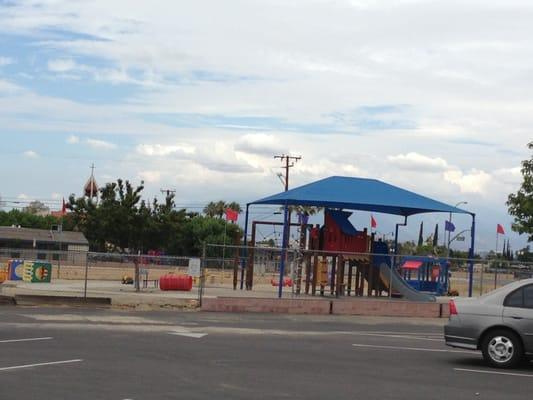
[(61, 65), (150, 176), (100, 144), (260, 144), (73, 139), (418, 162), (30, 154), (5, 61), (161, 150), (476, 181)]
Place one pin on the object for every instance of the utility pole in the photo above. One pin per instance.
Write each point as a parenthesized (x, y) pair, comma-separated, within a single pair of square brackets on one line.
[(289, 163), (168, 192)]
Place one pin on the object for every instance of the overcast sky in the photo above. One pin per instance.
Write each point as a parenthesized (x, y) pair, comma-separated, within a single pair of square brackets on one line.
[(198, 96)]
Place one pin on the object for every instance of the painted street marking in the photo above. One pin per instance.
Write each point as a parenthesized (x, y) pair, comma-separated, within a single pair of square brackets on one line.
[(484, 371), (411, 337), (411, 348), (25, 340), (404, 333), (189, 334), (40, 364)]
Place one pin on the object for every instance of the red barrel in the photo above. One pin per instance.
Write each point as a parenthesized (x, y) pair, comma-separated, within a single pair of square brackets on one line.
[(175, 282), (286, 282)]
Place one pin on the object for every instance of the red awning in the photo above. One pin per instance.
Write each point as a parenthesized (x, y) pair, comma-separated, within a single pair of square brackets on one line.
[(412, 264)]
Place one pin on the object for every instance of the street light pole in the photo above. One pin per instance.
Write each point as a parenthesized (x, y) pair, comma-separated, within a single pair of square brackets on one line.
[(449, 232)]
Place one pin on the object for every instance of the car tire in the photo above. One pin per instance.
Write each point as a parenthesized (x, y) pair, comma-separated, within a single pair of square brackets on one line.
[(502, 349)]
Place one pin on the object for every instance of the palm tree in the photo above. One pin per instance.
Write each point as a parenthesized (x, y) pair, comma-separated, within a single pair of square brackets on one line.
[(217, 209), (210, 209)]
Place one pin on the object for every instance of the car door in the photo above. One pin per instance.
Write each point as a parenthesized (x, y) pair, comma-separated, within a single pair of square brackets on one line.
[(518, 313)]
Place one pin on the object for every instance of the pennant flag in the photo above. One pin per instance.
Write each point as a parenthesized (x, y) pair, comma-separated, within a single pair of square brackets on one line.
[(449, 226), (436, 236), (499, 229), (373, 223), (231, 215)]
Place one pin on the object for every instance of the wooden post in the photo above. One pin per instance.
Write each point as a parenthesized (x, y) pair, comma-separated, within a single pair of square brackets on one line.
[(350, 273), (315, 273), (307, 272), (333, 274)]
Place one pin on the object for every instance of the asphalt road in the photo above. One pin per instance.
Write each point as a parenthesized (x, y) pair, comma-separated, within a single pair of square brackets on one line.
[(62, 353)]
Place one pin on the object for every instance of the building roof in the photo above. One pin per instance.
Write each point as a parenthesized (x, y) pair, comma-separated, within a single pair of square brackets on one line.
[(359, 194), (41, 235), (341, 219)]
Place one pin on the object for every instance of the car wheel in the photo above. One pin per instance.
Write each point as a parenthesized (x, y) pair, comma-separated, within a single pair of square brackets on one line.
[(502, 349)]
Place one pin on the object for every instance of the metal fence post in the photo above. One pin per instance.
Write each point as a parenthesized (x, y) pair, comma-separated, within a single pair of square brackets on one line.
[(86, 276), (392, 263), (481, 280), (202, 275)]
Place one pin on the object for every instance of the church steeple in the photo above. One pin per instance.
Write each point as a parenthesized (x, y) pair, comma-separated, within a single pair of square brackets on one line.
[(91, 187)]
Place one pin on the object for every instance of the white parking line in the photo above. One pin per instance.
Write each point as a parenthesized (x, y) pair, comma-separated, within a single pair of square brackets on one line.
[(40, 364), (395, 336), (484, 371), (25, 340), (410, 348)]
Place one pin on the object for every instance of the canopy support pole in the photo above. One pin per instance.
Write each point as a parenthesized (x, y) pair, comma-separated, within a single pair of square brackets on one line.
[(471, 256), (396, 235), (284, 246), (245, 252)]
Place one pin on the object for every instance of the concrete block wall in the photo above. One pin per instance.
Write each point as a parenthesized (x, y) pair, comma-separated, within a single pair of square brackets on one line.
[(356, 306)]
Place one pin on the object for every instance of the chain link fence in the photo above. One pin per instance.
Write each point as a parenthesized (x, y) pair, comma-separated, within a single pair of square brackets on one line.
[(227, 269)]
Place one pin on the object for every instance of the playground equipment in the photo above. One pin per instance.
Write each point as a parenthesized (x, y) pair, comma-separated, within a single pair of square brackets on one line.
[(3, 273), (426, 274), (175, 282), (37, 271), (16, 269), (338, 258)]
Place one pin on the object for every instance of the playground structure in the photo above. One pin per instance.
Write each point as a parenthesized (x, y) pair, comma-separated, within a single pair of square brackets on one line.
[(351, 261), (339, 259)]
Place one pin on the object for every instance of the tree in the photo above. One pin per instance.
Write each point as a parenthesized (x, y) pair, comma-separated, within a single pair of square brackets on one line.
[(436, 236), (521, 203), (36, 208), (218, 209), (420, 234)]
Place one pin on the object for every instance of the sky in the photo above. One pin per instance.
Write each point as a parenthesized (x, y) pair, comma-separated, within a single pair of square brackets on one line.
[(198, 96)]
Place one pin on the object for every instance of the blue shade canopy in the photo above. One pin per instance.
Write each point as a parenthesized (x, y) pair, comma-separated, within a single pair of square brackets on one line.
[(359, 194)]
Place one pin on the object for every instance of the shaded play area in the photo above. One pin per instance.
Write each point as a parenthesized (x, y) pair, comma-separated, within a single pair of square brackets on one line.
[(338, 259)]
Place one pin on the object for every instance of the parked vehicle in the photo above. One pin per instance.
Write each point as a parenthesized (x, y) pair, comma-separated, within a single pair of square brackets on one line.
[(499, 323)]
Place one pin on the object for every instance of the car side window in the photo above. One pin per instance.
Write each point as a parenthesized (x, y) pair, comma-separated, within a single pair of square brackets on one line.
[(515, 299), (528, 296)]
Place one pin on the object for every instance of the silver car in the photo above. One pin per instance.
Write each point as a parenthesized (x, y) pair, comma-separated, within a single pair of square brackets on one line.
[(499, 323)]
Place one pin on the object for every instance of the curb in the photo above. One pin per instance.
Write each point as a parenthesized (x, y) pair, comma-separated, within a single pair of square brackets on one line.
[(7, 300), (38, 300)]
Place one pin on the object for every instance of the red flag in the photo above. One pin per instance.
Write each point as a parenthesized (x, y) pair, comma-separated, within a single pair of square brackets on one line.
[(373, 222), (499, 229), (231, 215), (64, 207)]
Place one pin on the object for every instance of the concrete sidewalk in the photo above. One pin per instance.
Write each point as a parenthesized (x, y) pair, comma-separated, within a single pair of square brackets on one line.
[(125, 296)]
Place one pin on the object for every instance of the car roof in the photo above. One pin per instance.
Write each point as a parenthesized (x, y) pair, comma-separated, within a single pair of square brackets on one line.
[(497, 296)]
